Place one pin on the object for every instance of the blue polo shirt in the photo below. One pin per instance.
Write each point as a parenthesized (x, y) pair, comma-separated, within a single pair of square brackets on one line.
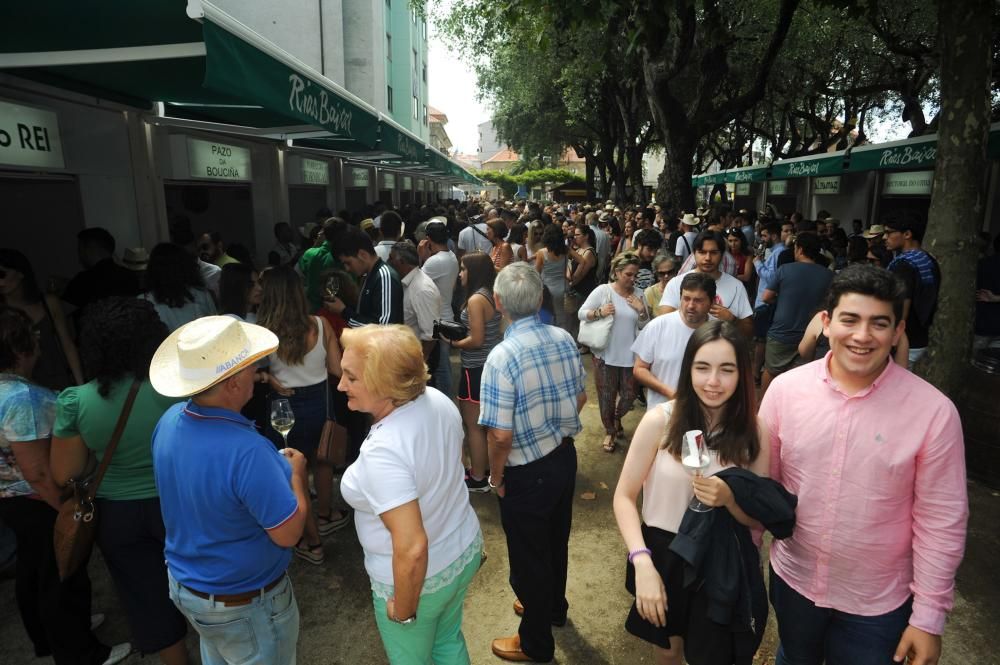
[(221, 486)]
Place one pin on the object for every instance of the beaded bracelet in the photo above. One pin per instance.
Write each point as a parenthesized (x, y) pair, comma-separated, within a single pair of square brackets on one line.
[(644, 550)]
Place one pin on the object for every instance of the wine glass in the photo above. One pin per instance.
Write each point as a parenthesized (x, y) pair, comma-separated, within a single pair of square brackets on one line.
[(695, 460), (282, 418)]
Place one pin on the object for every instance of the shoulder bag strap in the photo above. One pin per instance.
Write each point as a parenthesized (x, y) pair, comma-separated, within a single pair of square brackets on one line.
[(477, 230), (115, 438)]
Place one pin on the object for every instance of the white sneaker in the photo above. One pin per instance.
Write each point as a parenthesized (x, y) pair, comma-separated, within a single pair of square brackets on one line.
[(119, 652), (96, 620)]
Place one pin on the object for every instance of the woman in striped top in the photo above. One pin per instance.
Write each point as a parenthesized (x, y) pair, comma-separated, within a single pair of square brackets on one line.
[(481, 318)]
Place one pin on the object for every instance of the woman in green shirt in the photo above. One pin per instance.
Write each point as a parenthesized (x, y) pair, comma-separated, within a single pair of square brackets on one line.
[(117, 342)]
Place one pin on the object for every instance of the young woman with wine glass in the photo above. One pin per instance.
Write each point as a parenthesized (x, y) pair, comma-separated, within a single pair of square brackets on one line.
[(308, 351), (715, 394)]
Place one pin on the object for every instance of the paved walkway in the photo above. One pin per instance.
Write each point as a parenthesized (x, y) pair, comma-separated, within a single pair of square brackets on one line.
[(335, 601)]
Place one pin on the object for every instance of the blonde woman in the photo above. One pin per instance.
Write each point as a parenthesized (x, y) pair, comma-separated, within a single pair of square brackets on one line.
[(421, 538), (613, 364)]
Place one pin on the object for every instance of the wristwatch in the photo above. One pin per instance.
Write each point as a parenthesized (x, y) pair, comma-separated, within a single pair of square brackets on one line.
[(489, 481), (404, 622)]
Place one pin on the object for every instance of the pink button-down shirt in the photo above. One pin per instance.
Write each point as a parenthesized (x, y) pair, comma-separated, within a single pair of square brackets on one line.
[(880, 477)]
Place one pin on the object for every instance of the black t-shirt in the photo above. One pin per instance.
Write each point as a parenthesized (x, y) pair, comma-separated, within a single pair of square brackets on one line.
[(105, 279), (923, 302)]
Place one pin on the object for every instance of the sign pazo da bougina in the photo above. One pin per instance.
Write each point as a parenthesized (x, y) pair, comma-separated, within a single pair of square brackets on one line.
[(210, 160)]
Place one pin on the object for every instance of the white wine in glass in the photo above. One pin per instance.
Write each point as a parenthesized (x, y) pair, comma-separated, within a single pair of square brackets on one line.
[(695, 460), (282, 418)]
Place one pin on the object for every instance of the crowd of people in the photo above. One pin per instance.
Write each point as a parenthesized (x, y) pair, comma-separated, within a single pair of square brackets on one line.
[(784, 343)]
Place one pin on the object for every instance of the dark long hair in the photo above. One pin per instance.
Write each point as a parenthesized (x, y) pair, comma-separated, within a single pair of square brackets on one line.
[(15, 260), (554, 240), (735, 437), (284, 311), (481, 273), (234, 287), (171, 274), (118, 339), (17, 337)]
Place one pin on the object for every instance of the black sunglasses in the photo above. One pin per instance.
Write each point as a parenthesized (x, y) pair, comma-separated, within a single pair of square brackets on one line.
[(664, 273)]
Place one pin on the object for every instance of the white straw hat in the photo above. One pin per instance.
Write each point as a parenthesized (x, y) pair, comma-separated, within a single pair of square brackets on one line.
[(690, 220), (206, 351)]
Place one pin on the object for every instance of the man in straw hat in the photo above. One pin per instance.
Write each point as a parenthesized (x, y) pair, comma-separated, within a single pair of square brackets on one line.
[(232, 505)]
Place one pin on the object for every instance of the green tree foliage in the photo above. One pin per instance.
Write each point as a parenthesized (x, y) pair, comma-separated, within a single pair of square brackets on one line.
[(509, 183)]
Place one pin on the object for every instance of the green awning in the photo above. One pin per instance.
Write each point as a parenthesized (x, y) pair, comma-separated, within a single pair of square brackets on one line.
[(909, 155), (819, 165), (396, 142), (138, 53), (237, 68), (747, 174)]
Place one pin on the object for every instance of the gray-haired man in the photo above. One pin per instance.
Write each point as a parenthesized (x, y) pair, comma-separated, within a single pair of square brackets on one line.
[(531, 395)]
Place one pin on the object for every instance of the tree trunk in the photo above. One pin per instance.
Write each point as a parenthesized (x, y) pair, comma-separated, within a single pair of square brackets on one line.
[(590, 166), (958, 202), (673, 186), (635, 176)]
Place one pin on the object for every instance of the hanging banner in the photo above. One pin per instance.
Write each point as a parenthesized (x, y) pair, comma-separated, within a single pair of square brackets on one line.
[(29, 136), (743, 189), (917, 183), (315, 172), (407, 183), (389, 181), (210, 160), (828, 185)]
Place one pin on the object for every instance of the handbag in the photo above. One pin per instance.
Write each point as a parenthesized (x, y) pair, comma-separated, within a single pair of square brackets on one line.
[(332, 447), (76, 525), (450, 330), (596, 334)]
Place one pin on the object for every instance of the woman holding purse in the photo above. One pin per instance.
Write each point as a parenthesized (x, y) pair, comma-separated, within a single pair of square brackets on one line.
[(613, 364), (117, 342), (55, 614)]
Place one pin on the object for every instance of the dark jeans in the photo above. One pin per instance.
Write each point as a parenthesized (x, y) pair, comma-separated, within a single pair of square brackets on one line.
[(536, 513), (813, 635), (56, 615)]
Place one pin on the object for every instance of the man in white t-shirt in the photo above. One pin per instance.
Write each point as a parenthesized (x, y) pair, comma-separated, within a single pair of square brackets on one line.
[(441, 266), (473, 237), (659, 348), (685, 243), (731, 302), (603, 247)]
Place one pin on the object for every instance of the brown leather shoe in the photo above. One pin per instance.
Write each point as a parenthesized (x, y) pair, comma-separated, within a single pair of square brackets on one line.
[(519, 611), (509, 648)]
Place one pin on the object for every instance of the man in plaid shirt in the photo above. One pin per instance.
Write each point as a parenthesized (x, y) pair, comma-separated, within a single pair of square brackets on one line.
[(531, 395)]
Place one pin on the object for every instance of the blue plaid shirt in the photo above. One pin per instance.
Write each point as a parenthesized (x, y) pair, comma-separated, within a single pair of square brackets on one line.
[(530, 384)]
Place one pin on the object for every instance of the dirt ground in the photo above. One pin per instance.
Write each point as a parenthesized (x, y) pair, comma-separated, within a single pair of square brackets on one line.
[(335, 601)]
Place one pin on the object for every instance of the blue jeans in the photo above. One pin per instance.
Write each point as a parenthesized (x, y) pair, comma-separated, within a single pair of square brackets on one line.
[(263, 632), (811, 635), (442, 374)]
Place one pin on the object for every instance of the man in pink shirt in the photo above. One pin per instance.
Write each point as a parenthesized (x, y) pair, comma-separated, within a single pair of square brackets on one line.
[(876, 457)]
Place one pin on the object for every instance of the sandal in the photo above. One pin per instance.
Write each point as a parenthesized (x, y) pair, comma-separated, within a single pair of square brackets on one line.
[(310, 553), (327, 524), (609, 444)]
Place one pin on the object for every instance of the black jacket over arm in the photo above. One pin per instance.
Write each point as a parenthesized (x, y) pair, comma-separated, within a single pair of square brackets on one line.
[(721, 558)]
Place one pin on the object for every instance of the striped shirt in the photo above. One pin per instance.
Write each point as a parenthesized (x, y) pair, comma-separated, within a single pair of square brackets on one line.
[(530, 385), (381, 299), (472, 358)]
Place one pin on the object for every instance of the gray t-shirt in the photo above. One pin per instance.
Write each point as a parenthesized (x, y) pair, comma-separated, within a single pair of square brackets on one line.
[(801, 289)]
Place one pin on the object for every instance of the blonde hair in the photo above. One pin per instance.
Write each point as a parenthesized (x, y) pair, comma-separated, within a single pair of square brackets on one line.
[(624, 259), (394, 361)]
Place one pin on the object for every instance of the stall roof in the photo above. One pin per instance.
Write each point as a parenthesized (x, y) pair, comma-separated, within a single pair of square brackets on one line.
[(210, 69)]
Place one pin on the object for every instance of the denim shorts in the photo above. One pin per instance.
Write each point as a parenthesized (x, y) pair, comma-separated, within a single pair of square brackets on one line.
[(263, 632), (311, 409)]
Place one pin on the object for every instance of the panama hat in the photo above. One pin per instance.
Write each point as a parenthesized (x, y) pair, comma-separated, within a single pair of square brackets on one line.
[(690, 220), (874, 232), (206, 351), (135, 258)]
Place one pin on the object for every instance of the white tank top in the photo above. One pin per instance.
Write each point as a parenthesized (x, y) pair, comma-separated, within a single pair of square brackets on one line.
[(310, 371), (667, 490)]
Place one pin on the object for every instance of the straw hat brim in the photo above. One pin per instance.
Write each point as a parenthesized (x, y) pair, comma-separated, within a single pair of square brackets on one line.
[(164, 369)]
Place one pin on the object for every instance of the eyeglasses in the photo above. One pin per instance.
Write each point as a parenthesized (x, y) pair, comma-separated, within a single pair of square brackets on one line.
[(664, 273)]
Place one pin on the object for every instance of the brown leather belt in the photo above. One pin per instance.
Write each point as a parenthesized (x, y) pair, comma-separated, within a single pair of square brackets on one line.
[(235, 599)]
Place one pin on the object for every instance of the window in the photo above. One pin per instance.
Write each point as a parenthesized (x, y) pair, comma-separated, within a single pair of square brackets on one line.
[(423, 29), (388, 47), (425, 72), (425, 115), (388, 97), (416, 108)]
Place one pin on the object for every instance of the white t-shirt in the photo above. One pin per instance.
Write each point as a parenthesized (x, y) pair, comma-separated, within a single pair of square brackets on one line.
[(383, 248), (618, 352), (661, 344), (729, 292), (470, 241), (442, 267), (414, 453), (175, 317), (210, 274), (421, 304), (603, 248), (683, 249)]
